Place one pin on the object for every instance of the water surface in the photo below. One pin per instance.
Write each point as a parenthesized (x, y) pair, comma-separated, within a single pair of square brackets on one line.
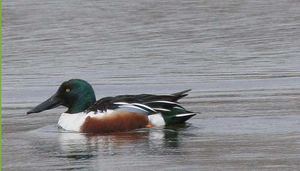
[(241, 58)]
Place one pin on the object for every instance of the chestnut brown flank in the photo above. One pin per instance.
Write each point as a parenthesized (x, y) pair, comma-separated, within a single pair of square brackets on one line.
[(122, 121)]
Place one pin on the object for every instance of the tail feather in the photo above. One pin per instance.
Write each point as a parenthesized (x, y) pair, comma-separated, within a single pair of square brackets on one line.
[(180, 118), (180, 94)]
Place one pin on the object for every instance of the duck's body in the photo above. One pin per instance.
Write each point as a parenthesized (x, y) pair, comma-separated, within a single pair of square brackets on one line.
[(105, 122), (113, 114), (110, 121)]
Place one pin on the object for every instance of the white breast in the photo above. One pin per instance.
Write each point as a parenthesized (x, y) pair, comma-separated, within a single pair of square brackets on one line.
[(71, 122)]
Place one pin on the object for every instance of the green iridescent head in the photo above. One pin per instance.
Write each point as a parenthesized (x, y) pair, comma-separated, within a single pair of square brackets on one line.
[(77, 95)]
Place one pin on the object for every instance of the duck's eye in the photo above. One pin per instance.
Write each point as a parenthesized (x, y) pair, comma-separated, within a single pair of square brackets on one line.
[(68, 90)]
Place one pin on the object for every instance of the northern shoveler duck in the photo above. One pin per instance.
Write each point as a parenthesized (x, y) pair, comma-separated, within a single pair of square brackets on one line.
[(113, 114)]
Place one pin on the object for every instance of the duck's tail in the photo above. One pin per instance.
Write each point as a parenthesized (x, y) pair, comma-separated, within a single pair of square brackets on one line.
[(180, 95), (172, 112)]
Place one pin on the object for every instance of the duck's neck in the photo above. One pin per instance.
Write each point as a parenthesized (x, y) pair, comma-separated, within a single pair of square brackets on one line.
[(82, 103)]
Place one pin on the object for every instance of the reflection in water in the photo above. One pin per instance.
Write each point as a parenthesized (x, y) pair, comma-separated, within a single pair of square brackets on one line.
[(80, 146), (171, 135)]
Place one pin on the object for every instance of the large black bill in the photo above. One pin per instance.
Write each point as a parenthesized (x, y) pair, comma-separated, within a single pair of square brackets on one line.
[(50, 103)]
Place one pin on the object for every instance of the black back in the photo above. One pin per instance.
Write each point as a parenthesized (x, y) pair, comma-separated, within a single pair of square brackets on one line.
[(108, 102)]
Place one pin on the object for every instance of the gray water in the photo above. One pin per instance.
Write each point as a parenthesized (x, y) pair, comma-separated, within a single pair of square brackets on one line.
[(241, 58)]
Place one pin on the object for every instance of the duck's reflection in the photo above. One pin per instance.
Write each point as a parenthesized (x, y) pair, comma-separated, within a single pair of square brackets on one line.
[(142, 141)]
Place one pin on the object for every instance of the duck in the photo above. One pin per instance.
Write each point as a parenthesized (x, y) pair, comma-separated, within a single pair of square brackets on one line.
[(113, 114)]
